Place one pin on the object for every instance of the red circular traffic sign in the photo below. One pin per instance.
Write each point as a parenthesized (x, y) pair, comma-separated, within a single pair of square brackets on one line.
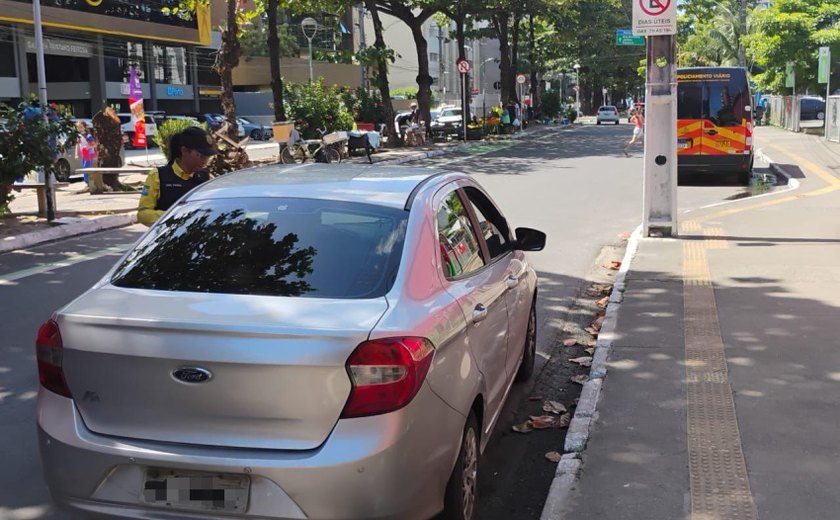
[(464, 66), (521, 79), (654, 7)]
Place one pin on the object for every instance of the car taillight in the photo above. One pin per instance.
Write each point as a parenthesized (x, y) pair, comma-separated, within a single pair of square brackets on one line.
[(386, 374), (49, 351)]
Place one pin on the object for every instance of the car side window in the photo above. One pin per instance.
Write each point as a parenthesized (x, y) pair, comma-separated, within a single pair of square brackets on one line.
[(493, 226), (459, 249)]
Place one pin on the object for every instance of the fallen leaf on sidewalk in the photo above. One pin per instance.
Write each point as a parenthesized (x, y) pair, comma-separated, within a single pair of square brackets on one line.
[(590, 351), (571, 342), (523, 427), (589, 343), (624, 235), (599, 289), (580, 379), (564, 421), (542, 422), (553, 407), (597, 323), (603, 302), (615, 265), (584, 361), (553, 456), (591, 330)]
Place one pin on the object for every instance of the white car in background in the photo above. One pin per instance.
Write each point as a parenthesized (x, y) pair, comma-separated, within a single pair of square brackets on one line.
[(607, 114), (128, 129)]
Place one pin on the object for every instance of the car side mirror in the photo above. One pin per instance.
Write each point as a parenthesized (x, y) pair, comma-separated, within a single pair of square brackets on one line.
[(528, 239)]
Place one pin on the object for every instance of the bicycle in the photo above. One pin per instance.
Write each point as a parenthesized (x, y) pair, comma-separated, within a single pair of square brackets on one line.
[(298, 152)]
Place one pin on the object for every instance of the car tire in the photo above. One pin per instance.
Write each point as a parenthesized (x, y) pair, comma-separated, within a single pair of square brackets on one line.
[(616, 121), (63, 170), (529, 354), (461, 490), (255, 135), (597, 121)]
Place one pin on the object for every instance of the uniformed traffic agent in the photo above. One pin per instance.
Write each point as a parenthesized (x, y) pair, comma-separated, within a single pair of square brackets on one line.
[(191, 150)]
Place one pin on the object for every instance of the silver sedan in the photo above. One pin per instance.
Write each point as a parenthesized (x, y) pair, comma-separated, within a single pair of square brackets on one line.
[(307, 342)]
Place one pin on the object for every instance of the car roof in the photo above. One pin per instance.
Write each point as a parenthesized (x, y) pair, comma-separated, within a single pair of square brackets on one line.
[(393, 186)]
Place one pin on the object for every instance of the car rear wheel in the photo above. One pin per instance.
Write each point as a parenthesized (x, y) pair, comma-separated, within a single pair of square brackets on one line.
[(526, 368), (597, 121), (459, 501), (63, 170), (255, 135)]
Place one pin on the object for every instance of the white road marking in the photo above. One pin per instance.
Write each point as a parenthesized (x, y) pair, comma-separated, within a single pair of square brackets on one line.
[(9, 279)]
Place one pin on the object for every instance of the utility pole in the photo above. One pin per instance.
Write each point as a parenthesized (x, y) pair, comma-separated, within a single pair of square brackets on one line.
[(441, 78), (42, 97), (660, 138)]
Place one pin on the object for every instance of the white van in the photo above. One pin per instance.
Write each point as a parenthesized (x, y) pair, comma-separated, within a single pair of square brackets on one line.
[(128, 129)]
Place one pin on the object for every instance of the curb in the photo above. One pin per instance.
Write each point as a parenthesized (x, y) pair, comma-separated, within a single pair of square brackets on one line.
[(586, 413), (69, 226)]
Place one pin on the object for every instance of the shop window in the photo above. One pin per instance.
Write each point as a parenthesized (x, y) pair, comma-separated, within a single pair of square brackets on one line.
[(7, 59), (60, 69), (170, 65)]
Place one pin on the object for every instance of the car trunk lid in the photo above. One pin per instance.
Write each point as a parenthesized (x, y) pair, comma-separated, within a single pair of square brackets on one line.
[(275, 366)]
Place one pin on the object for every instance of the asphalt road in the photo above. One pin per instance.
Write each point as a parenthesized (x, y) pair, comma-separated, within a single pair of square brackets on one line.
[(575, 185)]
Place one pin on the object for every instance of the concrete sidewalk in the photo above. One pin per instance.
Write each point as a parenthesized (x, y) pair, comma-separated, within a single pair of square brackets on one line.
[(78, 212), (723, 368)]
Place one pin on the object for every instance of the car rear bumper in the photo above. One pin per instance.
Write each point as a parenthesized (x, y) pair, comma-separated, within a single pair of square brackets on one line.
[(714, 163), (382, 467)]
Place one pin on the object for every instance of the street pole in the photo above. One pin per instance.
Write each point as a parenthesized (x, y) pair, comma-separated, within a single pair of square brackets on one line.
[(309, 26), (464, 101), (577, 90), (42, 96), (660, 139)]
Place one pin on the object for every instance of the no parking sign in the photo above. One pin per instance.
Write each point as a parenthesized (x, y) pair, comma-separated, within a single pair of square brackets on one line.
[(654, 17)]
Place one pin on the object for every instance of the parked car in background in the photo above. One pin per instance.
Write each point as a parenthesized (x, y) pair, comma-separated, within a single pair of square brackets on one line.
[(448, 122), (607, 114), (191, 119), (215, 122), (253, 130), (811, 112), (338, 345), (128, 129)]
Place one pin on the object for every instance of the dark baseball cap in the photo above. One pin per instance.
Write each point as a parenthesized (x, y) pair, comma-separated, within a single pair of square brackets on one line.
[(197, 139)]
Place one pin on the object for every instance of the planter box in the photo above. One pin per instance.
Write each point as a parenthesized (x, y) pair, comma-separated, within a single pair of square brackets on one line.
[(474, 134), (281, 130)]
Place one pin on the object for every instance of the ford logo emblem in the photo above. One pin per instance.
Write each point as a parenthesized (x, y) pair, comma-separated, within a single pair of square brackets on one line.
[(192, 375)]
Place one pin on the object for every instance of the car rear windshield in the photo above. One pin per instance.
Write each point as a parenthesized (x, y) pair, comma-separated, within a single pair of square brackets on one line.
[(270, 246)]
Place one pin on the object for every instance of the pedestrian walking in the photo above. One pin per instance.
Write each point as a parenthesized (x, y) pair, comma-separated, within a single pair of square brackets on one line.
[(191, 149), (638, 120)]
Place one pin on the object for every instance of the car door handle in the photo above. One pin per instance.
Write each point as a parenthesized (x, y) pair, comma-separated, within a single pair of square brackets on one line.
[(479, 313), (711, 132), (511, 282)]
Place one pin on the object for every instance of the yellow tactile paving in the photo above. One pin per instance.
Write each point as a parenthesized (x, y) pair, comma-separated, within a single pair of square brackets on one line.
[(720, 488)]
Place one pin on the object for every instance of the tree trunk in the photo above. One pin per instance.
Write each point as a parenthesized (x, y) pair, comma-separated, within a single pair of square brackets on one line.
[(226, 60), (392, 138), (514, 55), (401, 10), (500, 22), (535, 81), (274, 59), (465, 81)]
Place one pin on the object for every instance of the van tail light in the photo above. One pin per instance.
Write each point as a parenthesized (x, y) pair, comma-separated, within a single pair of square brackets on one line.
[(386, 374), (50, 352), (748, 138)]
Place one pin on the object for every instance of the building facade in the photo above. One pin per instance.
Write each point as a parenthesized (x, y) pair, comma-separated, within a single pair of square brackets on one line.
[(90, 47)]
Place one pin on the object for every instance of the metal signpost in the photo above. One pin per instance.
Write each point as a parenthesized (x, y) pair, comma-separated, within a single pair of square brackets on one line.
[(824, 76), (464, 68), (42, 97), (657, 19), (520, 81)]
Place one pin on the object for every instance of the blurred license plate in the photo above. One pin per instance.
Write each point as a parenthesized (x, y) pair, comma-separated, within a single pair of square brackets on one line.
[(683, 143), (196, 490)]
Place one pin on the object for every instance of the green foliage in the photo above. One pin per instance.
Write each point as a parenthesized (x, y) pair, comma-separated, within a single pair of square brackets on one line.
[(551, 103), (364, 106), (792, 31), (406, 92), (255, 41), (170, 127), (313, 106), (332, 56), (28, 143)]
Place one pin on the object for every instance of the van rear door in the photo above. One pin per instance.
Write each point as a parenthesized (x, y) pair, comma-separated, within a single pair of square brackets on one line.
[(727, 123), (689, 117)]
